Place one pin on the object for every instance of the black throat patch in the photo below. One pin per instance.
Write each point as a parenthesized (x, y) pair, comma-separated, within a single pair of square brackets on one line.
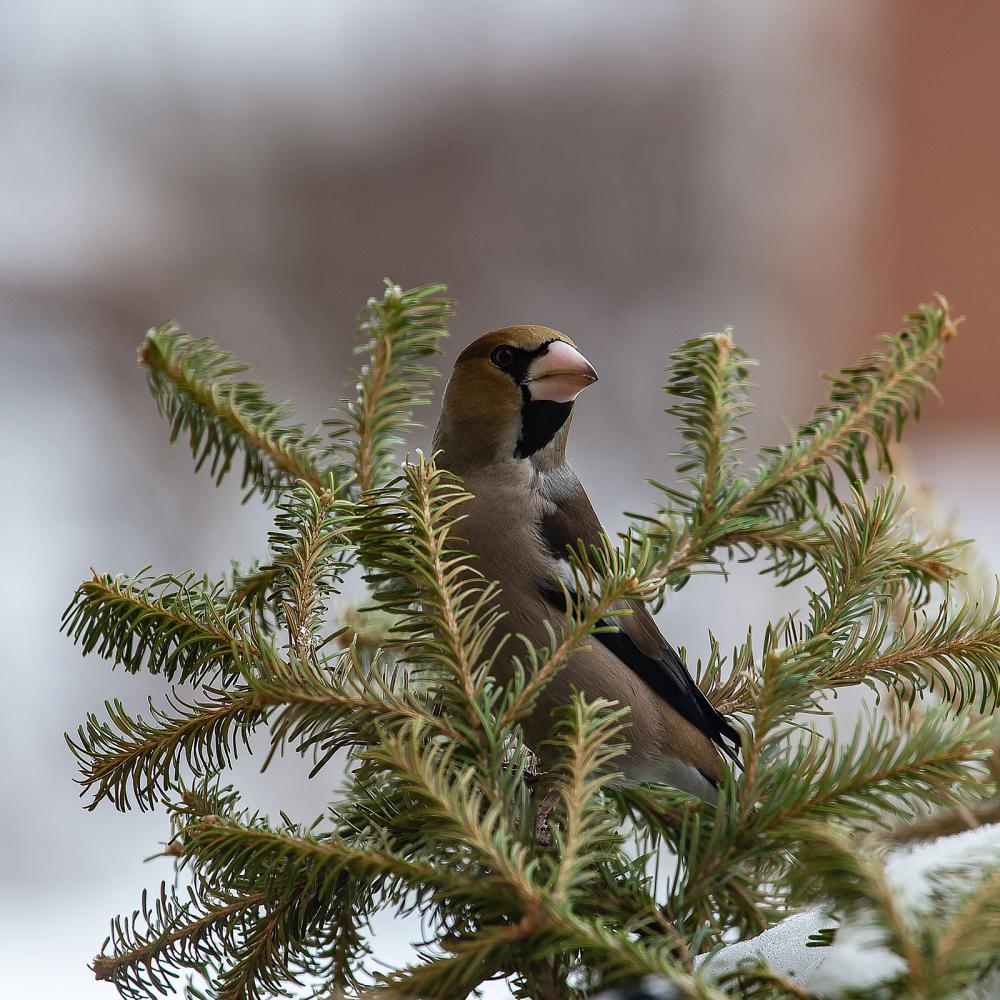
[(540, 422)]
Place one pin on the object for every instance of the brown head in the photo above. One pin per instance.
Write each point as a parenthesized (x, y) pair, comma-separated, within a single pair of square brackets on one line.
[(510, 396)]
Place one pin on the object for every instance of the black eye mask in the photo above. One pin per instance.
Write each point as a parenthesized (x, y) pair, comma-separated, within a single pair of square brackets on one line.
[(516, 361)]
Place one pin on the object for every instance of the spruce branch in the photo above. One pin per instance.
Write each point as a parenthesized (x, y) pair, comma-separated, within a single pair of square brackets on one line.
[(437, 815), (624, 958), (589, 739), (852, 636), (956, 651), (194, 385), (443, 608), (868, 406), (453, 800), (158, 938), (874, 778), (870, 782), (793, 549), (335, 704), (403, 330), (861, 563), (310, 549), (709, 378), (180, 627), (321, 871), (263, 967), (128, 759)]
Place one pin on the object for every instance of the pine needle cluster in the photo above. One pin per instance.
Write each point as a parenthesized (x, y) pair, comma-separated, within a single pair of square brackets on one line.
[(436, 815)]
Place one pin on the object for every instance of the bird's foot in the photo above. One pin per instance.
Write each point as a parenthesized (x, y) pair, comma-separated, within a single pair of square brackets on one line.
[(545, 807)]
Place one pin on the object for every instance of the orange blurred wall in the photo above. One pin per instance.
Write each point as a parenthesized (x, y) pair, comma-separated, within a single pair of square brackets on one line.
[(941, 224)]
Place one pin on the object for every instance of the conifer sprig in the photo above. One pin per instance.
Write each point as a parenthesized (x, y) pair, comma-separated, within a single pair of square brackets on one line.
[(129, 759), (854, 633), (591, 739), (226, 850), (444, 610), (724, 855), (403, 330), (310, 547), (150, 946), (327, 705), (194, 385), (772, 510), (709, 378), (955, 652), (438, 814), (179, 627), (868, 405)]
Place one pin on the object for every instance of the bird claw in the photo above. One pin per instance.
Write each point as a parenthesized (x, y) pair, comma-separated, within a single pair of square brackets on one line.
[(545, 807)]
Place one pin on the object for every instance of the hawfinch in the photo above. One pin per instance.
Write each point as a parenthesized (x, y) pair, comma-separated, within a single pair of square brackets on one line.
[(503, 429)]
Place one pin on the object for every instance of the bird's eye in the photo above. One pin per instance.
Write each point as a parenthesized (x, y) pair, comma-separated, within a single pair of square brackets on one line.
[(502, 357)]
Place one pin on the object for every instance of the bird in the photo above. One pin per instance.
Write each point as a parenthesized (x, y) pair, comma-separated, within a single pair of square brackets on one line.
[(503, 427)]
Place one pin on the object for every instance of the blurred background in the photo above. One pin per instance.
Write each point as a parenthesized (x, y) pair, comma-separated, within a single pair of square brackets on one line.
[(631, 174)]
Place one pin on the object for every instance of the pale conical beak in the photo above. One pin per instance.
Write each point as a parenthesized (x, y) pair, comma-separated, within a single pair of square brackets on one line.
[(560, 374)]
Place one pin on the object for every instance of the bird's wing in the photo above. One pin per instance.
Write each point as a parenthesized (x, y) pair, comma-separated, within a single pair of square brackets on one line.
[(634, 638)]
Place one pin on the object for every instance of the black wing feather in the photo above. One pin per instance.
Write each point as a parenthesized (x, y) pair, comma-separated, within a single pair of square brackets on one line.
[(573, 519), (667, 676)]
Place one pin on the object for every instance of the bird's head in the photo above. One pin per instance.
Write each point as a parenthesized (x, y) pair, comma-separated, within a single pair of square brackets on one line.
[(510, 396)]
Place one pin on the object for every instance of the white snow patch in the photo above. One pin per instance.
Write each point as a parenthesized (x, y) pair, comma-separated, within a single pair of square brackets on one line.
[(858, 958), (783, 947)]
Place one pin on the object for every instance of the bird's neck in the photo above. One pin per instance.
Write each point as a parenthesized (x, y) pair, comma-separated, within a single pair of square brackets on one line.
[(537, 443)]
